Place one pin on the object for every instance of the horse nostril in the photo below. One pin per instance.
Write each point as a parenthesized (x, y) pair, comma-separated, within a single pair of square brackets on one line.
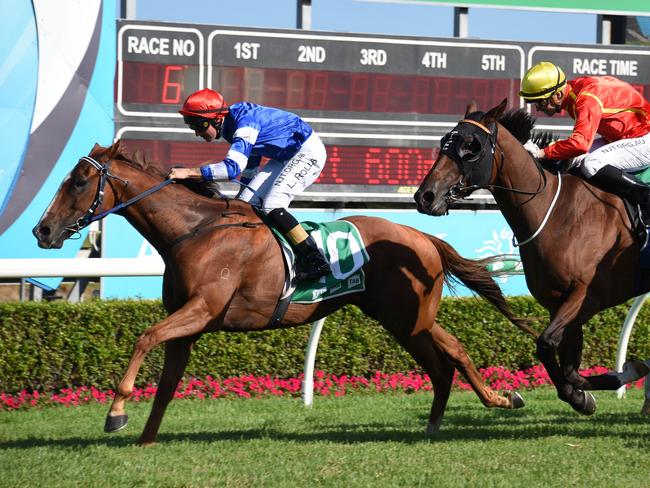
[(428, 196), (42, 231)]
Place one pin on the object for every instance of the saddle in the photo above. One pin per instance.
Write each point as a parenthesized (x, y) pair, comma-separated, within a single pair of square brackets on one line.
[(346, 252)]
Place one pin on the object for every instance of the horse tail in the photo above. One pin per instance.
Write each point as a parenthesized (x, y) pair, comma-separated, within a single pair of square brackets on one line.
[(474, 274)]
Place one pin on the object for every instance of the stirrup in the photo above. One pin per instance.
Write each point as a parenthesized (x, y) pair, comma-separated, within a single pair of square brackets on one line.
[(314, 272), (644, 216)]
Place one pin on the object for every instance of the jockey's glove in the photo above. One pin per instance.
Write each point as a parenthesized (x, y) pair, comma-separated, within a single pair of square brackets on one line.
[(534, 149)]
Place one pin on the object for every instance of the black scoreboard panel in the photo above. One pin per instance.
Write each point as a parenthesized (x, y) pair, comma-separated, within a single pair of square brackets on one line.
[(630, 65), (380, 103)]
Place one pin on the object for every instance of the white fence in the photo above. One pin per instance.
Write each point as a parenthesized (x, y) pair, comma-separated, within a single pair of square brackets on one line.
[(154, 266)]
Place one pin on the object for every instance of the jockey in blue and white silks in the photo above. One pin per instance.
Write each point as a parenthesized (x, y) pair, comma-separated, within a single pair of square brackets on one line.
[(296, 158), (255, 131)]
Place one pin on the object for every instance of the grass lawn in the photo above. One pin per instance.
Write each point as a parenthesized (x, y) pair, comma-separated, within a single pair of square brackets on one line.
[(359, 440)]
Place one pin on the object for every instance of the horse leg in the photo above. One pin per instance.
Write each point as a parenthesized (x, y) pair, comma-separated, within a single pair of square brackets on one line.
[(177, 354), (645, 409), (570, 354), (561, 335), (187, 321), (455, 350), (439, 368)]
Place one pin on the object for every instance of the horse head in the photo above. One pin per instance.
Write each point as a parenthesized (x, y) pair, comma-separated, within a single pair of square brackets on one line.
[(465, 162), (81, 194)]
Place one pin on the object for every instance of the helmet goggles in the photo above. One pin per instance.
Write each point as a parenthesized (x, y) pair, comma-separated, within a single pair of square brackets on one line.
[(196, 123)]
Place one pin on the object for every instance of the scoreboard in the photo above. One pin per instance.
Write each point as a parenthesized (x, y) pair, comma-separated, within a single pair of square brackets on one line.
[(380, 103), (629, 64)]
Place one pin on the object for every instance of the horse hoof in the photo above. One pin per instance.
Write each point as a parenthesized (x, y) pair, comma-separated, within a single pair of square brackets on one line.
[(113, 424), (589, 405), (433, 428), (142, 443), (516, 400)]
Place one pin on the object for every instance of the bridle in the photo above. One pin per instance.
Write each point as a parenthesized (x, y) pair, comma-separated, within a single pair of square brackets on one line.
[(478, 164), (105, 176), (459, 190)]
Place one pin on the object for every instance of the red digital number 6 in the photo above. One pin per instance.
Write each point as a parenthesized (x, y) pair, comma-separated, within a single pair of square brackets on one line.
[(171, 91)]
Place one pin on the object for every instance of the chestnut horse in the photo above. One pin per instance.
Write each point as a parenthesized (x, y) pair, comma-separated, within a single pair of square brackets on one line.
[(224, 271), (578, 251)]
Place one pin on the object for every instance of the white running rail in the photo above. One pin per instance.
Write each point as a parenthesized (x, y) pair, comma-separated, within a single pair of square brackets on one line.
[(154, 266), (624, 339)]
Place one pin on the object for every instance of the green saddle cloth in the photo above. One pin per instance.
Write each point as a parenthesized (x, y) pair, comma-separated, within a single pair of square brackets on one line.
[(341, 243), (643, 175)]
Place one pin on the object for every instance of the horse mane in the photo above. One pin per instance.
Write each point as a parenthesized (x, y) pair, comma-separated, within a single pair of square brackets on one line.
[(521, 124), (544, 138), (137, 159)]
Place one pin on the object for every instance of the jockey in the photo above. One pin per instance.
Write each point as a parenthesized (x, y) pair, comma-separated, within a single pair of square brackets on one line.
[(603, 105), (296, 158)]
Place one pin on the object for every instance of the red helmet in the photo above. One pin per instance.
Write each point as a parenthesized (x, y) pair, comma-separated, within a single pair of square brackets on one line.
[(206, 103)]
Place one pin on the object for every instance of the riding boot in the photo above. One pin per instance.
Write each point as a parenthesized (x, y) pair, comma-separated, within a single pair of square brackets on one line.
[(613, 180), (303, 243)]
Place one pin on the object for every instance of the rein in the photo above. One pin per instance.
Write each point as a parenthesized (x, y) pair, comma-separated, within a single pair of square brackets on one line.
[(458, 191), (548, 214), (104, 174)]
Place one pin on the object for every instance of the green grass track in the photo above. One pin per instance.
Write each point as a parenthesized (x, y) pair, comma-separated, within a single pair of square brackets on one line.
[(359, 440)]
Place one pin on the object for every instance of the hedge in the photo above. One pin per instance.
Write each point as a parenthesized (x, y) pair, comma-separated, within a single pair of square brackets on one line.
[(53, 345)]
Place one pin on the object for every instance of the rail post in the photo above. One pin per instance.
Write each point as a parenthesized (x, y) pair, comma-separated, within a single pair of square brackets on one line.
[(624, 339), (310, 359)]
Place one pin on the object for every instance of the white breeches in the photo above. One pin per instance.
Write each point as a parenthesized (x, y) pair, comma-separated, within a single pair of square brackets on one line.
[(630, 155), (279, 182)]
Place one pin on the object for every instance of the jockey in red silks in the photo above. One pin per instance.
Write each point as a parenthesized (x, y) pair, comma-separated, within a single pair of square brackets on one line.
[(296, 158), (601, 105)]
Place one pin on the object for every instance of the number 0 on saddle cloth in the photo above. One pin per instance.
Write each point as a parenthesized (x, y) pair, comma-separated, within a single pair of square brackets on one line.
[(342, 245)]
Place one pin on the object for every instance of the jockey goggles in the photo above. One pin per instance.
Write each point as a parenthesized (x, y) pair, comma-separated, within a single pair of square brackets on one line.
[(197, 123)]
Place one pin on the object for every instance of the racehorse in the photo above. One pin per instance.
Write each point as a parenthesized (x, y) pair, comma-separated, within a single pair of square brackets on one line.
[(577, 247), (224, 271)]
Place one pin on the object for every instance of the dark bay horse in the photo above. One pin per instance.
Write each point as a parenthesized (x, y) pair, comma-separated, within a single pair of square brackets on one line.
[(224, 271), (577, 248)]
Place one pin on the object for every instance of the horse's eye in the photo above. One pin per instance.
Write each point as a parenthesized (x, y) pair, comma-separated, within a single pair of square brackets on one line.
[(80, 183), (474, 146)]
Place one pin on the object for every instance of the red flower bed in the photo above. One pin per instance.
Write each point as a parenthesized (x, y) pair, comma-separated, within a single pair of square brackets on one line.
[(264, 386)]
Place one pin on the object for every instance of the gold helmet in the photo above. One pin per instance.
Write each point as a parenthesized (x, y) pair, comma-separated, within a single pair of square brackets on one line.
[(541, 81)]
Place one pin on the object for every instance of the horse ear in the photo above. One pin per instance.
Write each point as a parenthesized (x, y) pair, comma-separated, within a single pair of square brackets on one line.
[(139, 157), (115, 149), (98, 152), (495, 113), (471, 107)]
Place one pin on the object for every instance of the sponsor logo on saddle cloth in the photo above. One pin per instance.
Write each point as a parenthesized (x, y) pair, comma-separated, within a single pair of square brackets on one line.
[(342, 245)]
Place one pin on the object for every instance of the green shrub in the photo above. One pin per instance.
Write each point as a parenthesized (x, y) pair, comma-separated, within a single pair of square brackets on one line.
[(54, 345)]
